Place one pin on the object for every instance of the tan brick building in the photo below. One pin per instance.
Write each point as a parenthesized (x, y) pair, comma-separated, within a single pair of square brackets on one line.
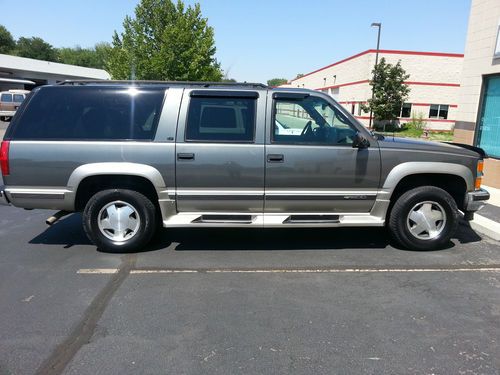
[(478, 117), (434, 82)]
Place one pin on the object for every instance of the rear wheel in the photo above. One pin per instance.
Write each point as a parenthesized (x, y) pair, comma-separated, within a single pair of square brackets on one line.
[(424, 218), (119, 220)]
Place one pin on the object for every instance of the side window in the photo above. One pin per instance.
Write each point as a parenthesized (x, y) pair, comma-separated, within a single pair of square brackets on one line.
[(219, 119), (91, 113), (311, 120), (18, 98), (6, 98)]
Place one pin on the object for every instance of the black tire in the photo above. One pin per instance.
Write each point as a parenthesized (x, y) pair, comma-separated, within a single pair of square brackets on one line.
[(146, 223), (399, 222)]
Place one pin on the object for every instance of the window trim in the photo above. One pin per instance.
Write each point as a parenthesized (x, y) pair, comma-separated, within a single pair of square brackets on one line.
[(291, 99), (252, 141)]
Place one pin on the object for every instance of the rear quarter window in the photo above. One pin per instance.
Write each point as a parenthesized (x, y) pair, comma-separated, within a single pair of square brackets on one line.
[(90, 113)]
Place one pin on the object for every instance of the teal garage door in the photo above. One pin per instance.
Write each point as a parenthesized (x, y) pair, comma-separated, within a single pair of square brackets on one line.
[(489, 130)]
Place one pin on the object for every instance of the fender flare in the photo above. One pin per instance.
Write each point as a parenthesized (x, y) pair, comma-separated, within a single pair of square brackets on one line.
[(412, 168), (129, 169)]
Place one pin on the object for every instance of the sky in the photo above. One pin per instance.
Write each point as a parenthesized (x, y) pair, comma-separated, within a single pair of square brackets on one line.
[(261, 39)]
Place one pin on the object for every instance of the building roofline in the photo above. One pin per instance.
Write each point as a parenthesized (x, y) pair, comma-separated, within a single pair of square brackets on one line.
[(17, 63), (387, 52)]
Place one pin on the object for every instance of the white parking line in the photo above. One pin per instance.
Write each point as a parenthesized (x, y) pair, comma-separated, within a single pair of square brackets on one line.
[(98, 271), (331, 270)]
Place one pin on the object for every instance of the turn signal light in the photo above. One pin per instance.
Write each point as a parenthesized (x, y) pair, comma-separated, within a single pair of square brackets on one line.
[(4, 158), (479, 179), (480, 166)]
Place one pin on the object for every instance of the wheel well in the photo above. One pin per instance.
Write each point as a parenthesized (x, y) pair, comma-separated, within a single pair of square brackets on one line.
[(453, 184), (93, 184)]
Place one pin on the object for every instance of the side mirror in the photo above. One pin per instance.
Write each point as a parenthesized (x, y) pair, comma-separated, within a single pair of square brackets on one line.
[(360, 141)]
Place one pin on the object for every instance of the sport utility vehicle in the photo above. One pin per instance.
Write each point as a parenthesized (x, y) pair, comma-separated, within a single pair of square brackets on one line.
[(133, 155)]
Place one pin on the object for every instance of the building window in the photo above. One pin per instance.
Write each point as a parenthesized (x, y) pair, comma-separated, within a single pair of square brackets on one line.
[(359, 109), (439, 111), (406, 110), (353, 106)]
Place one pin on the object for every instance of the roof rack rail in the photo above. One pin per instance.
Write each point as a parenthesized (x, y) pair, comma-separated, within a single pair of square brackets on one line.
[(145, 82)]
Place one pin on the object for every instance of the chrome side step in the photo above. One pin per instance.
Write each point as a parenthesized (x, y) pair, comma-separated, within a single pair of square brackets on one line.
[(271, 220), (230, 219), (312, 219)]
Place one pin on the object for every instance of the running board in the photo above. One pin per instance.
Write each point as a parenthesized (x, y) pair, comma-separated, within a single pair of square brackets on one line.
[(270, 220), (221, 219), (312, 219)]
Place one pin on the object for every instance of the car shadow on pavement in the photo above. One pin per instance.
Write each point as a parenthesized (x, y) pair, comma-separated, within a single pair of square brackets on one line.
[(69, 232), (293, 239)]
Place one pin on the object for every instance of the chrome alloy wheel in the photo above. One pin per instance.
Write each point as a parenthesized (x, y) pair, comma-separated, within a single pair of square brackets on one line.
[(426, 220), (119, 221)]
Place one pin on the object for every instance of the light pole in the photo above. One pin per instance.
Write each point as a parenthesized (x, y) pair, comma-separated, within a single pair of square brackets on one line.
[(379, 25)]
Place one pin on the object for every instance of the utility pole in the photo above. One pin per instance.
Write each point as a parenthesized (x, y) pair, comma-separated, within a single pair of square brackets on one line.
[(379, 25)]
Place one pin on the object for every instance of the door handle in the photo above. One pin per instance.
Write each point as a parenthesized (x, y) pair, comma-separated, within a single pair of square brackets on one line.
[(275, 158), (185, 156)]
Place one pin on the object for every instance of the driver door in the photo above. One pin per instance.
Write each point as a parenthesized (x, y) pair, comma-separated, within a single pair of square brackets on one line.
[(311, 166)]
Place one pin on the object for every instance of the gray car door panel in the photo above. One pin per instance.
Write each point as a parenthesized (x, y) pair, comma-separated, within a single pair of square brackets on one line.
[(308, 177), (216, 175)]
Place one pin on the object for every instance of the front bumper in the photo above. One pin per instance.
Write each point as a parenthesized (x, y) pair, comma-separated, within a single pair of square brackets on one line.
[(3, 198), (475, 200)]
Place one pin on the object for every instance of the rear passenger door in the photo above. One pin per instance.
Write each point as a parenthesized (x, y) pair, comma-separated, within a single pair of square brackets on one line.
[(220, 151)]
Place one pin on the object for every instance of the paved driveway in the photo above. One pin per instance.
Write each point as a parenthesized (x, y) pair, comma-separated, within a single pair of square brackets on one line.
[(244, 301)]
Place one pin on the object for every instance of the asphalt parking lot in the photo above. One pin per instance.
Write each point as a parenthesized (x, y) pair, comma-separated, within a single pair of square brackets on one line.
[(250, 302), (244, 301)]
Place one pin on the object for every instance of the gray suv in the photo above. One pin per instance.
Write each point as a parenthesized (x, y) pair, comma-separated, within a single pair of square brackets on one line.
[(136, 155)]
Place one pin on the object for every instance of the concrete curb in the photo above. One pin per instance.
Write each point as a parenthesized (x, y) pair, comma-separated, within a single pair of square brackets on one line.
[(486, 226)]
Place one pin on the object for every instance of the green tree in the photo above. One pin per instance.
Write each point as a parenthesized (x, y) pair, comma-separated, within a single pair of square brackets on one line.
[(95, 57), (276, 81), (7, 42), (390, 91), (165, 41), (35, 48)]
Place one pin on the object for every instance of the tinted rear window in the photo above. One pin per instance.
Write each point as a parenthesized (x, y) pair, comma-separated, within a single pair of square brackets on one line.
[(93, 113), (221, 120)]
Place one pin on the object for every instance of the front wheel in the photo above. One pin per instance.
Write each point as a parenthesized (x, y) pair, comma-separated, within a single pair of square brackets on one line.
[(119, 220), (424, 218)]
